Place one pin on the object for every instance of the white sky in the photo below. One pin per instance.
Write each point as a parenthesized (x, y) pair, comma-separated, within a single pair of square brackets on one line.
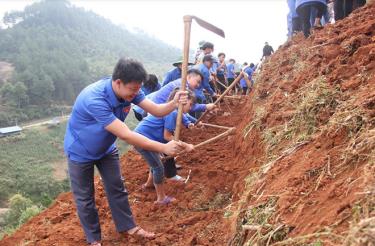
[(247, 23)]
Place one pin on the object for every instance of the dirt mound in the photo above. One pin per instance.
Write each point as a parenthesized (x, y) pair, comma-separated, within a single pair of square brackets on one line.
[(300, 168)]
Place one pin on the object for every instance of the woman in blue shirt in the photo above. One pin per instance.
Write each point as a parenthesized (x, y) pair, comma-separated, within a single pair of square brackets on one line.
[(161, 130)]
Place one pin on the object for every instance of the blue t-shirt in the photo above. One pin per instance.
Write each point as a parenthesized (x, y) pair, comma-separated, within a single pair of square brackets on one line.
[(205, 84), (97, 106), (221, 70), (230, 69), (153, 127), (172, 75), (147, 91), (250, 72), (162, 95)]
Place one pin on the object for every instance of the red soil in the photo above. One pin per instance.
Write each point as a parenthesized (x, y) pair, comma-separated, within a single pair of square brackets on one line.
[(313, 185)]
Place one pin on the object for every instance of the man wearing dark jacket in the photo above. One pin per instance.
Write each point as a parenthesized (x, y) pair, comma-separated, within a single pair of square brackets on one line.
[(267, 50)]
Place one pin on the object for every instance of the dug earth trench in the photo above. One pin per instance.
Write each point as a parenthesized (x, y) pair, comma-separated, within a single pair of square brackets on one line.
[(299, 169)]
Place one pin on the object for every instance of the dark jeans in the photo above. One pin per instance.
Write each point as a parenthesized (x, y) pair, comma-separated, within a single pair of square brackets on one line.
[(343, 8), (244, 90), (305, 11), (221, 78), (82, 185), (296, 25)]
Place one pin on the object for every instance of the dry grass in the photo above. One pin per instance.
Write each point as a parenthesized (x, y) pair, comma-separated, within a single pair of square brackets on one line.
[(259, 220)]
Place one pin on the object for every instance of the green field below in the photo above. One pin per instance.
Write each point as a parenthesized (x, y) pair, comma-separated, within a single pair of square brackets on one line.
[(29, 161)]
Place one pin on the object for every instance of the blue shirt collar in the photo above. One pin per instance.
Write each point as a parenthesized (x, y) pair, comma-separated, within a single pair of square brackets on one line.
[(115, 102)]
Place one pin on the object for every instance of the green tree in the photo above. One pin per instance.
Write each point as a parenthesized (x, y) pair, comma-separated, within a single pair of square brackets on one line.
[(17, 205), (15, 95)]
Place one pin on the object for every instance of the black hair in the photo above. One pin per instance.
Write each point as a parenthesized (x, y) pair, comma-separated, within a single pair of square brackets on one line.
[(190, 94), (129, 70), (196, 72), (245, 63), (220, 54), (232, 60), (151, 83), (208, 58), (252, 65), (207, 45)]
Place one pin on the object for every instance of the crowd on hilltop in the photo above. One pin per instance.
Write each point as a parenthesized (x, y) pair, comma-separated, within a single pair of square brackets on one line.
[(306, 14)]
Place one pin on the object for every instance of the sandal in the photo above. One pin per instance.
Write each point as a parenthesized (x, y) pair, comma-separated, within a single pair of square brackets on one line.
[(167, 200), (140, 233), (145, 187), (96, 243), (177, 178)]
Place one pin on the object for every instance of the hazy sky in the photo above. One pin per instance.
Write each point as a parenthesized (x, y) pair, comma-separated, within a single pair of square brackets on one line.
[(247, 23)]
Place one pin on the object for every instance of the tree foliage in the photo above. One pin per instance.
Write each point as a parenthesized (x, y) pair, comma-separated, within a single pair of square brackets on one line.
[(57, 49)]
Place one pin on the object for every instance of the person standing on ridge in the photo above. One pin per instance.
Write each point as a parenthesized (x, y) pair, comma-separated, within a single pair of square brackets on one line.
[(305, 10), (267, 50)]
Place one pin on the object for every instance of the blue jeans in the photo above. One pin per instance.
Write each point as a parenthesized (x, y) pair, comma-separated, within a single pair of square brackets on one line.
[(82, 185), (155, 164)]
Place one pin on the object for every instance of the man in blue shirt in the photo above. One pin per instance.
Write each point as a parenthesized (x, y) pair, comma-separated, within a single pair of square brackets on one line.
[(247, 81), (230, 69), (96, 121), (194, 78), (221, 72), (174, 73), (204, 68)]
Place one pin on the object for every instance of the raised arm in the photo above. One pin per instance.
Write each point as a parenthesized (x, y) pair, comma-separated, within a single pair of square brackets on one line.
[(160, 110)]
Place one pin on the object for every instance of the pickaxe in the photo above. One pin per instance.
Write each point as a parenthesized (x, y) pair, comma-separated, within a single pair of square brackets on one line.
[(187, 28)]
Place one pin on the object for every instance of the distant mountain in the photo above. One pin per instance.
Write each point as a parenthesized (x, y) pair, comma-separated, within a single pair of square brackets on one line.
[(55, 41), (57, 49)]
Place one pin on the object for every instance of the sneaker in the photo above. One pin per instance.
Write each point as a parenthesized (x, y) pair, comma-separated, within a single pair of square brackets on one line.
[(177, 178)]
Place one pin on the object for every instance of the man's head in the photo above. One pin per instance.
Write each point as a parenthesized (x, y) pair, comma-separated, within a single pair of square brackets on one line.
[(266, 43), (232, 61), (208, 48), (208, 61), (190, 102), (252, 65), (221, 57), (201, 43), (194, 77), (127, 78)]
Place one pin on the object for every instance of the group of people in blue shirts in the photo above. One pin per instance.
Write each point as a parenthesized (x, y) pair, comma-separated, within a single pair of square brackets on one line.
[(97, 120), (304, 14)]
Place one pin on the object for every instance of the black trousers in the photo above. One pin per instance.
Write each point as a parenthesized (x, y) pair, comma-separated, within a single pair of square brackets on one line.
[(304, 13), (221, 78), (170, 169), (343, 8)]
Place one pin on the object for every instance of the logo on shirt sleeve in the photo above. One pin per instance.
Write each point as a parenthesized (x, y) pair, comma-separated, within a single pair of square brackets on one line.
[(127, 109)]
